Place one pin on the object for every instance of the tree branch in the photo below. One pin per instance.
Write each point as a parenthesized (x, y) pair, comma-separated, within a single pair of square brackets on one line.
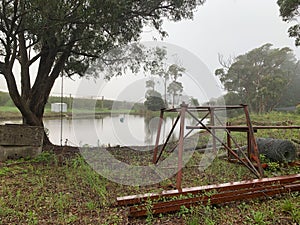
[(2, 68), (35, 58), (84, 54), (25, 78), (226, 63)]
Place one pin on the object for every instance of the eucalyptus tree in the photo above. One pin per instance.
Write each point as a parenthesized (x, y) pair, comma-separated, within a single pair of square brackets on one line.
[(259, 78), (168, 73), (289, 11), (150, 84), (175, 89), (67, 35)]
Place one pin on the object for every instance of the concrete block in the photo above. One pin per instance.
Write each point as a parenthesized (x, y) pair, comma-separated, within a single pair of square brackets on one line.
[(20, 141)]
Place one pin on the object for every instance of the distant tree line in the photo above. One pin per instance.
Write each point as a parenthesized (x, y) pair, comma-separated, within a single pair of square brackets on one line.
[(106, 104)]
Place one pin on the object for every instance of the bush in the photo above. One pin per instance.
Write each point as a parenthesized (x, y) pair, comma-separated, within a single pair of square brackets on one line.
[(154, 103)]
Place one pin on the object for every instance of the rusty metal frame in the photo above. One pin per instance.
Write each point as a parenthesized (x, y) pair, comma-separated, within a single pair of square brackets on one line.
[(251, 160), (248, 162), (210, 111), (246, 159)]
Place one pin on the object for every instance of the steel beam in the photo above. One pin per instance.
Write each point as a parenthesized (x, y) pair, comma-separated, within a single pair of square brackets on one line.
[(224, 187), (219, 194)]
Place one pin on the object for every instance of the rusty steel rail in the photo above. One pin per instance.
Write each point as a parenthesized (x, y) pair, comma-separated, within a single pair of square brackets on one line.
[(230, 186), (176, 205), (243, 128), (205, 108), (211, 194)]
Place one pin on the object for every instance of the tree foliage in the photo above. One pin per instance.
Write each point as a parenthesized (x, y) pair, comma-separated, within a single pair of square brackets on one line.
[(67, 36), (194, 102), (154, 99), (289, 11), (169, 73), (175, 88), (260, 76), (154, 102), (150, 84), (291, 95)]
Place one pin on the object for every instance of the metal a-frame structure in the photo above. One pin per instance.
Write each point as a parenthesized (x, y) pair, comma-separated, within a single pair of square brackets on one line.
[(250, 159)]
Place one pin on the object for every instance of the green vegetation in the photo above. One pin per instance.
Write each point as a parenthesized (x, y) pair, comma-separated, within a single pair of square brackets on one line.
[(168, 75), (154, 103), (33, 192), (273, 118), (261, 78), (289, 10)]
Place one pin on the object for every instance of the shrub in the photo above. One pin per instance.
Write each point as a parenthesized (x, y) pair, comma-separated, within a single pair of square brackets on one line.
[(154, 103)]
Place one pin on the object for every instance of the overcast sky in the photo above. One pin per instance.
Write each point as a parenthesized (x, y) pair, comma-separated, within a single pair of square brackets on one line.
[(227, 27), (231, 28)]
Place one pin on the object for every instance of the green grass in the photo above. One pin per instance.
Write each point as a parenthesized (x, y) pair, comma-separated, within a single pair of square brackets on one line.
[(44, 190), (8, 109), (7, 112), (273, 119), (48, 190)]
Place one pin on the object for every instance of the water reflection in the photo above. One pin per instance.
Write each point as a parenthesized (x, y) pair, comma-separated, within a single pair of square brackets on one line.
[(151, 127), (124, 130)]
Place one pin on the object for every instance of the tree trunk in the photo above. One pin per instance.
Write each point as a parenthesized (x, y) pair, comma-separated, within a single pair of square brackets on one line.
[(35, 118), (31, 100), (46, 140), (31, 108), (37, 106)]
